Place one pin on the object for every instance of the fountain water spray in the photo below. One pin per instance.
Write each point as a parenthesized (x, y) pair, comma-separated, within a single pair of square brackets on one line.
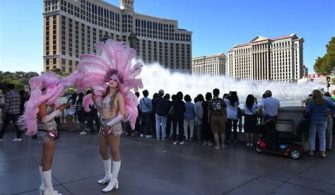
[(155, 77)]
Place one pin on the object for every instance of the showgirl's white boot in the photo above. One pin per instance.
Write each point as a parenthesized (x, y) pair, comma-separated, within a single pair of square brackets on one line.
[(108, 174), (48, 190), (113, 183)]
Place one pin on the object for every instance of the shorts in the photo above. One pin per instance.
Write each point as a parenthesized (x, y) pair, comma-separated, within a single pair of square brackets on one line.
[(115, 130), (250, 122), (218, 124), (48, 135)]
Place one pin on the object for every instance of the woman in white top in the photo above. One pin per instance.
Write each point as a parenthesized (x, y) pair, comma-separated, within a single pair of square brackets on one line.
[(232, 115), (250, 119)]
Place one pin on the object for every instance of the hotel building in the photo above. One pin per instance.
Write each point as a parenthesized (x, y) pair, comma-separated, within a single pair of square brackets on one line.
[(279, 59), (209, 65), (72, 27)]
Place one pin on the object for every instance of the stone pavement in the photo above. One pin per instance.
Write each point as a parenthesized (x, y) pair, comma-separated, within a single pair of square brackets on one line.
[(153, 167)]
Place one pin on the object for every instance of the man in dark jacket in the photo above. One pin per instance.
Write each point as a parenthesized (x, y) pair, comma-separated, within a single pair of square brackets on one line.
[(178, 118), (162, 111)]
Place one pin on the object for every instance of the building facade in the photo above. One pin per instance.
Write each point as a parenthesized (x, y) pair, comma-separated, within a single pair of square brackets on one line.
[(72, 27), (279, 59), (209, 65)]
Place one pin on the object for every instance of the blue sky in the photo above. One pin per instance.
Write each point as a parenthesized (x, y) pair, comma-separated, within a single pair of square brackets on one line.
[(217, 25)]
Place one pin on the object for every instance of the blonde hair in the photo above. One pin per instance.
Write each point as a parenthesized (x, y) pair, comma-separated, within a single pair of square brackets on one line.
[(317, 97)]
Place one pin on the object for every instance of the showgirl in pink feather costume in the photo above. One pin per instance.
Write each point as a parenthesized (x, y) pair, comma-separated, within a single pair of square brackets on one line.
[(111, 75), (40, 110), (112, 58)]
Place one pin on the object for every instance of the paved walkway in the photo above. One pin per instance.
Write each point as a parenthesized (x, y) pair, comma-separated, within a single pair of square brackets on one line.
[(152, 167)]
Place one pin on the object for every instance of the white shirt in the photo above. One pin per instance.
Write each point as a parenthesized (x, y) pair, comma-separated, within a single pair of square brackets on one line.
[(199, 112), (247, 111), (232, 111)]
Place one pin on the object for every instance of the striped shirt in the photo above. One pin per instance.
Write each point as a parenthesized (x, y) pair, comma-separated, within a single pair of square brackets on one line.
[(12, 102)]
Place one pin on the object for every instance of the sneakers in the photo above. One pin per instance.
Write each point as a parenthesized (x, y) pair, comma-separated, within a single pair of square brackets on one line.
[(0, 140), (17, 140), (182, 142), (83, 133), (311, 153), (148, 136), (217, 147), (248, 144), (175, 143), (323, 155)]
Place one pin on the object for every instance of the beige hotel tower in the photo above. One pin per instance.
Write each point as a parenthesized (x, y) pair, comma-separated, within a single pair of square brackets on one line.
[(279, 59), (72, 27), (209, 65)]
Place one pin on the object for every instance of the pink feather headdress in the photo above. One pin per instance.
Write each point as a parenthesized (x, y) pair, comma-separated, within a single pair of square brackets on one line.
[(54, 88), (112, 61)]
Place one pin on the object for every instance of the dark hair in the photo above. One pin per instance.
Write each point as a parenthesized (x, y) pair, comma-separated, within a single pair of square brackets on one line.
[(180, 95), (216, 92), (167, 96), (155, 96), (187, 98), (233, 97), (268, 93), (145, 93), (208, 96), (80, 98), (250, 101), (74, 98), (327, 94), (200, 97), (174, 97), (88, 92), (137, 94)]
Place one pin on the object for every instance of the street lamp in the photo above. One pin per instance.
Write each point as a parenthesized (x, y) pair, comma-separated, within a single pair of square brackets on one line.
[(133, 40), (328, 83), (105, 38)]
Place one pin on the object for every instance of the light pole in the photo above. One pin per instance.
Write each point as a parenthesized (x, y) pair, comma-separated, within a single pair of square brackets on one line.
[(328, 83), (133, 40), (105, 38)]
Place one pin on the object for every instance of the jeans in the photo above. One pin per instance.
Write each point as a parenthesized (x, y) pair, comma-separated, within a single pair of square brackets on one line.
[(8, 118), (320, 129), (188, 123), (90, 118), (160, 124), (198, 129), (178, 136), (146, 123)]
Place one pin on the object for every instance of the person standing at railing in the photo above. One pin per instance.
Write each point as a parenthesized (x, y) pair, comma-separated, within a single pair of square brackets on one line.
[(316, 111), (250, 119), (270, 107)]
